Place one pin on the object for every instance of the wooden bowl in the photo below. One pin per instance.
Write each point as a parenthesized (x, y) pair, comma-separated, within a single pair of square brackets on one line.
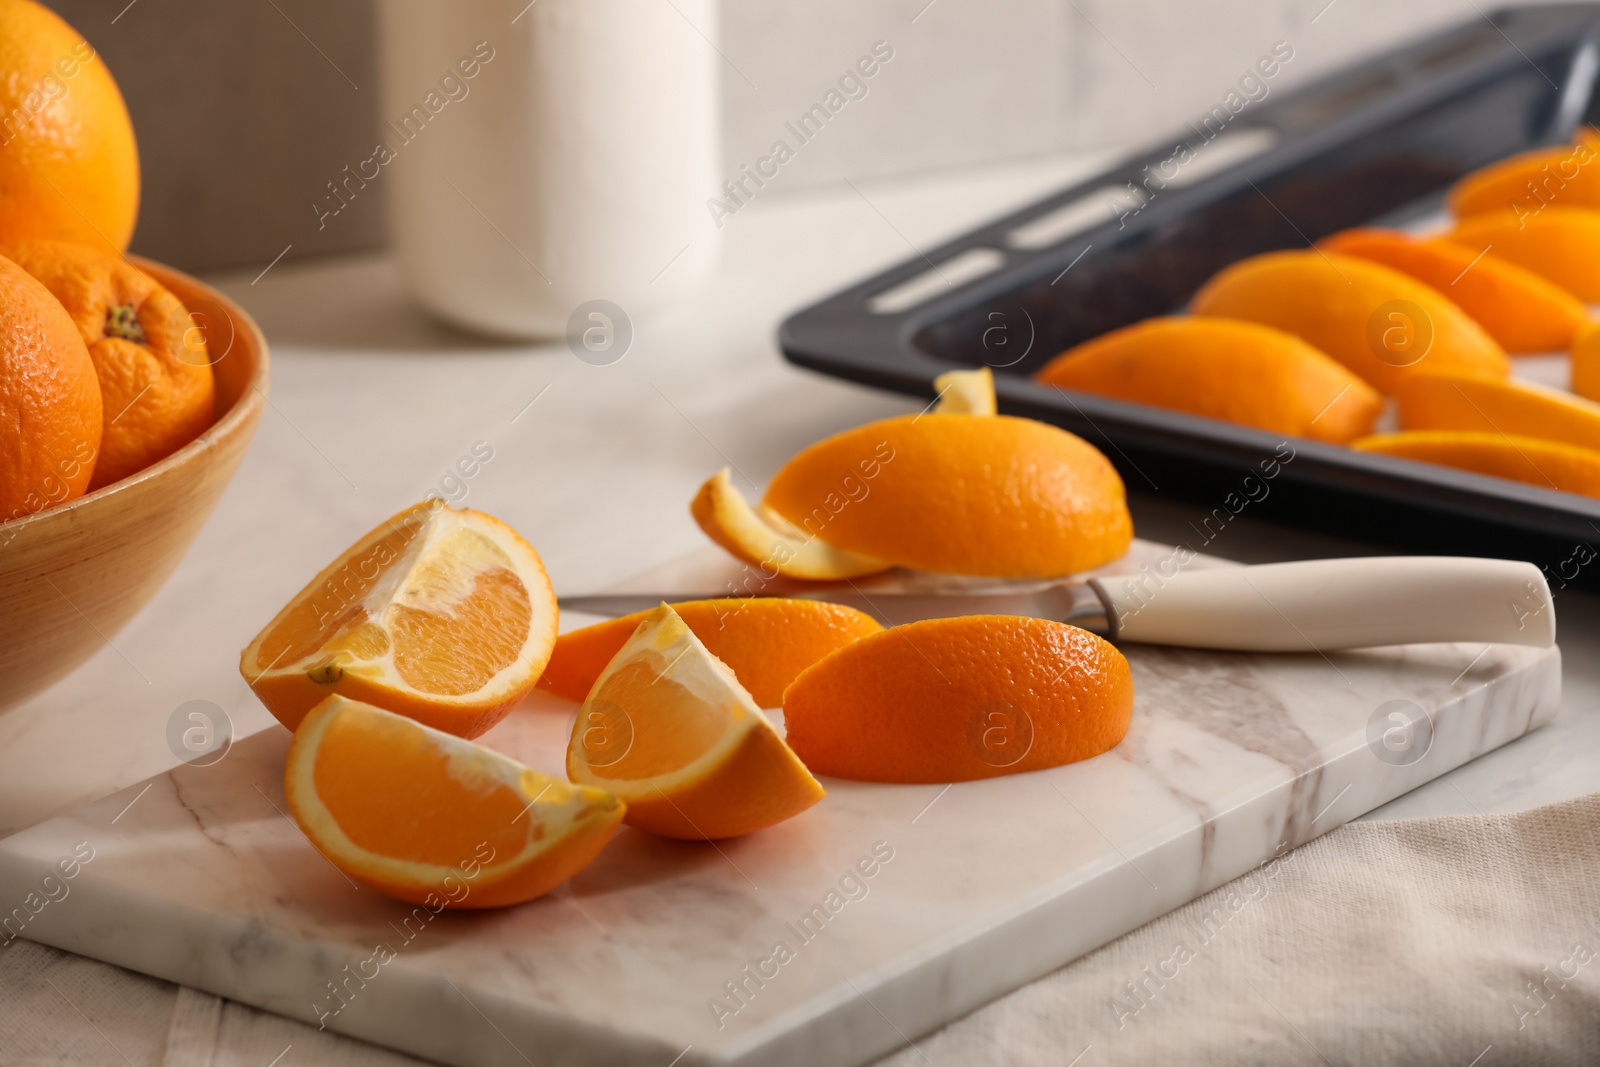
[(73, 575)]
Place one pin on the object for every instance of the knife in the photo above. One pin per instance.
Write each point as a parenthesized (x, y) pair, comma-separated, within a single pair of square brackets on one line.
[(1320, 605)]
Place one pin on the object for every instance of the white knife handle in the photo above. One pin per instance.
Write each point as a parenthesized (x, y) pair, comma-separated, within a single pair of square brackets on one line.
[(1329, 604)]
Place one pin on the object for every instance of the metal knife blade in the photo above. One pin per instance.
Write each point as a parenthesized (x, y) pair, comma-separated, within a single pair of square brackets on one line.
[(1074, 602)]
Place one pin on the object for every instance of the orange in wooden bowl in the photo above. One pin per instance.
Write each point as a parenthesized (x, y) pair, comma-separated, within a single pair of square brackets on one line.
[(150, 356), (69, 168), (73, 575), (50, 408), (1547, 464), (1229, 369), (1521, 310), (950, 700), (1373, 319)]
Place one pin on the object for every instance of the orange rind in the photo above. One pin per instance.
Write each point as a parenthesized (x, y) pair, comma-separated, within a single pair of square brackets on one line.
[(1375, 320), (1558, 244), (1519, 309), (766, 540), (951, 700), (1438, 401), (1546, 464), (1228, 369)]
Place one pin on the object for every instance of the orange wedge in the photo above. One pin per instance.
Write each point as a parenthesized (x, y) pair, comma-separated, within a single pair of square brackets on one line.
[(765, 641), (1547, 464), (1441, 401), (443, 615), (1372, 318), (1229, 369), (1566, 175), (951, 700), (1586, 362), (1519, 309), (670, 731), (1557, 244), (428, 818)]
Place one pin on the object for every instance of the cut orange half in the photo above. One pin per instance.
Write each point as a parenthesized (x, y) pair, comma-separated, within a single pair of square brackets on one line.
[(670, 731), (439, 614), (428, 818)]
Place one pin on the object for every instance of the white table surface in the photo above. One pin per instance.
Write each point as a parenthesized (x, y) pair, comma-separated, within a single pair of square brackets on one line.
[(372, 403)]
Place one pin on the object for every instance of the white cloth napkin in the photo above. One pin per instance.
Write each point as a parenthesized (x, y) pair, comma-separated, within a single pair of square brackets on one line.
[(1464, 940)]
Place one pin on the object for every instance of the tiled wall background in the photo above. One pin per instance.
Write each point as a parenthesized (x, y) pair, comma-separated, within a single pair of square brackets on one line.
[(244, 110)]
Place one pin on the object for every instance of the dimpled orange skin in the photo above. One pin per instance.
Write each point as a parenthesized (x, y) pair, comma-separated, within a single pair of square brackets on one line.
[(1558, 244), (1240, 372), (158, 393), (1566, 175), (963, 494), (952, 700), (1335, 302), (1546, 464), (69, 167), (50, 411), (1522, 311), (765, 641)]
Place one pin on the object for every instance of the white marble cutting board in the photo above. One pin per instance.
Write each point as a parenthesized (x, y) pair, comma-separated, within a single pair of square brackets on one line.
[(199, 877)]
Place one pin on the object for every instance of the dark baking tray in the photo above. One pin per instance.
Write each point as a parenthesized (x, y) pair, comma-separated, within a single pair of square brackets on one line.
[(1378, 142)]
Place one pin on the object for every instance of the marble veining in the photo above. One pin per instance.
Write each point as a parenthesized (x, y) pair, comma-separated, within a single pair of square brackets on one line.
[(887, 909)]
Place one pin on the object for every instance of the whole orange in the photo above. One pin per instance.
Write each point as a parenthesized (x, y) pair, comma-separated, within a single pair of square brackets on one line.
[(50, 416), (69, 167), (154, 370)]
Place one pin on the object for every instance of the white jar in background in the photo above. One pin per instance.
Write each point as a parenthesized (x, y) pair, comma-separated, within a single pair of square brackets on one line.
[(547, 156)]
